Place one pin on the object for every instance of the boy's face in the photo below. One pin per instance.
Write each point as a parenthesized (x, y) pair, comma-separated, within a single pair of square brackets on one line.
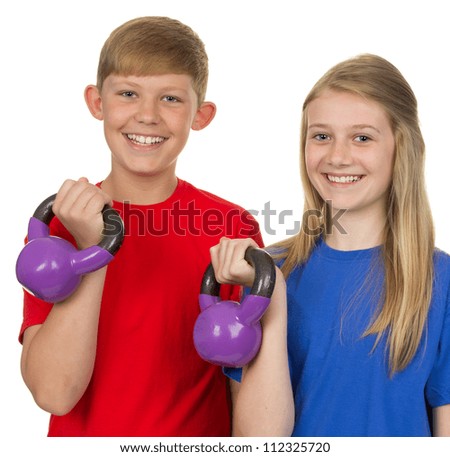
[(147, 119)]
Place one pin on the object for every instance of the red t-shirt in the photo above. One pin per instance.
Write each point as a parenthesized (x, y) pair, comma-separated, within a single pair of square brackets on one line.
[(148, 379)]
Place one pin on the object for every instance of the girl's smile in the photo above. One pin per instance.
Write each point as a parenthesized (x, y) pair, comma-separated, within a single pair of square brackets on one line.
[(339, 180), (350, 152)]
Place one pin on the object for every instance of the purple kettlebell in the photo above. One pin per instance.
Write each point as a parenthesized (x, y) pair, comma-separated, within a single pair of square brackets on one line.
[(228, 333), (50, 267)]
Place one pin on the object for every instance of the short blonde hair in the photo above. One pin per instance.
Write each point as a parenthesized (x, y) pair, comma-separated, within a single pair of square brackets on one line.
[(155, 45)]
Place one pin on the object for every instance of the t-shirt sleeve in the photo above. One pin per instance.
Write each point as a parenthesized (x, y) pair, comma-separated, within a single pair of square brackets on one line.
[(233, 373), (35, 311), (438, 385), (249, 228)]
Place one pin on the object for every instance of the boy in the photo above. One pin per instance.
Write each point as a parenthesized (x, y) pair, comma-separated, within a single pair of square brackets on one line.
[(117, 357)]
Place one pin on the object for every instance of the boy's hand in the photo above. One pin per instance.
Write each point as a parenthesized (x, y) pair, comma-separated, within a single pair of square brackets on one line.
[(230, 266), (78, 205)]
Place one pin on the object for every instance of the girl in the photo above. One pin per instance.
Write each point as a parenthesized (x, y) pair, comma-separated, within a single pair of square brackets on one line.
[(368, 294)]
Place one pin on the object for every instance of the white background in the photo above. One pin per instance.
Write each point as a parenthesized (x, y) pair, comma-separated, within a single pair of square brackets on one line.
[(264, 58)]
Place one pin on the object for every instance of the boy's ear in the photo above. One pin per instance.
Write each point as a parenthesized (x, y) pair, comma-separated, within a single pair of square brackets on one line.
[(205, 114), (94, 101)]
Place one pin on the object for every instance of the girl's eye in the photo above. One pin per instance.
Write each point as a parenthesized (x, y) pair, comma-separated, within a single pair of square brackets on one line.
[(362, 138), (321, 137), (170, 98)]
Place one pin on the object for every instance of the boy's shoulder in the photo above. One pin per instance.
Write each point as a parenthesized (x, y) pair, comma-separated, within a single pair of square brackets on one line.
[(216, 212), (203, 196)]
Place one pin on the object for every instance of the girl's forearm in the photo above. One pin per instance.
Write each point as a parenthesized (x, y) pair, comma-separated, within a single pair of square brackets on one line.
[(264, 405)]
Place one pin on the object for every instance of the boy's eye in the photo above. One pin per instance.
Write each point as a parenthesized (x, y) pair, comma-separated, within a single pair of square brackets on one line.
[(170, 98), (127, 93)]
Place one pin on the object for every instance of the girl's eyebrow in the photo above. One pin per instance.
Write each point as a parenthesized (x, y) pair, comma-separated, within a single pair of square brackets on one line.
[(317, 126), (365, 126), (356, 126)]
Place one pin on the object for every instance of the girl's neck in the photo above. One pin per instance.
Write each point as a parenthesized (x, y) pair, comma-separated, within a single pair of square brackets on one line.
[(354, 231)]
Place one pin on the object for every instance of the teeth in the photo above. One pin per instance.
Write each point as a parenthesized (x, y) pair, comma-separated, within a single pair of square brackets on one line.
[(343, 179), (145, 139)]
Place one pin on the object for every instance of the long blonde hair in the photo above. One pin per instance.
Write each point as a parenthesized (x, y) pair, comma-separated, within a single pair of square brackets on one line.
[(409, 234)]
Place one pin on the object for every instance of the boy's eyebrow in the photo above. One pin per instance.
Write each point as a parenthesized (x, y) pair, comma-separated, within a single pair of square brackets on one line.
[(126, 82), (123, 80), (355, 126)]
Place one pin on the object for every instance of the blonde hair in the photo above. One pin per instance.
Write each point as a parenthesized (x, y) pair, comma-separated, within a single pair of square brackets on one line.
[(155, 45), (409, 234)]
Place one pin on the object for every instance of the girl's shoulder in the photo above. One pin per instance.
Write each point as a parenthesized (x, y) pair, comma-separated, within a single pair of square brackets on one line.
[(442, 273), (441, 260)]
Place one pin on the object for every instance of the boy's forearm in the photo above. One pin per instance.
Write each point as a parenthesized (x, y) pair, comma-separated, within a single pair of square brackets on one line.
[(58, 359), (264, 405)]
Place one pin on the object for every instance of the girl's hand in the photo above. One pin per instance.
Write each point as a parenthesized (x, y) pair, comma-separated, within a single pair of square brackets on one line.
[(230, 266), (78, 205)]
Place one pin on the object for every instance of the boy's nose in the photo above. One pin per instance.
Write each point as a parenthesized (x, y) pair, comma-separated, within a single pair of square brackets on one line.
[(147, 112)]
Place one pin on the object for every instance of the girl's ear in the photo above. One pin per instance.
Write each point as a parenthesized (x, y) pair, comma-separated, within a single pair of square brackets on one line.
[(205, 114), (94, 101)]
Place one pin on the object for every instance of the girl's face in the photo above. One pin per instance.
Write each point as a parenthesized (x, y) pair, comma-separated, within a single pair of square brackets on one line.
[(349, 151)]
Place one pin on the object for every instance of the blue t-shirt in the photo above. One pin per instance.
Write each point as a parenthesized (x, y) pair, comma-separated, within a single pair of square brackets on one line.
[(341, 385)]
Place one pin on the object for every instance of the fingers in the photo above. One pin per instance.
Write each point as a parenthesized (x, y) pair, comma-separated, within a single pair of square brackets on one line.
[(228, 260), (75, 197), (78, 205)]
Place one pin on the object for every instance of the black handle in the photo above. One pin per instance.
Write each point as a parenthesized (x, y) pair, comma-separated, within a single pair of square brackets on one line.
[(265, 276), (113, 229)]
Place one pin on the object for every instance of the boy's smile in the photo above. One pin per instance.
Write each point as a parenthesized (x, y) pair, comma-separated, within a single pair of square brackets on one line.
[(147, 120), (141, 139)]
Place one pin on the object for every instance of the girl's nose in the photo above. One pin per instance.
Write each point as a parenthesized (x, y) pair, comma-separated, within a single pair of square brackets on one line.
[(339, 154)]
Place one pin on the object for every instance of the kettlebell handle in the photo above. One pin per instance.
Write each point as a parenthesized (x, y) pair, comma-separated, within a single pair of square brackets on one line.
[(229, 333), (264, 282), (112, 233)]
